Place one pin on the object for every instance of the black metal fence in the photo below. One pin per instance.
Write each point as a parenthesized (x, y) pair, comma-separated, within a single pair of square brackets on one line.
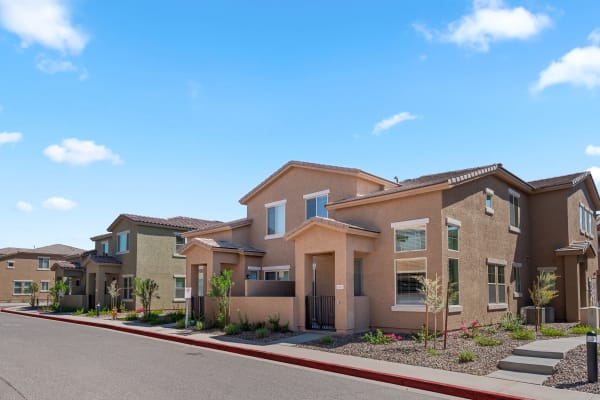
[(320, 312), (198, 306)]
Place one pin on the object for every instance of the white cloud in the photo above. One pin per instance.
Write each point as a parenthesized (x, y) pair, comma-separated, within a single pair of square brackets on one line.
[(10, 137), (46, 22), (490, 21), (24, 206), (592, 150), (579, 67), (80, 152), (59, 203), (595, 174), (390, 122), (49, 66)]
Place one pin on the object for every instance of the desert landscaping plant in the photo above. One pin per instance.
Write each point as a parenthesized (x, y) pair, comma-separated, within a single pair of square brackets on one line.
[(34, 289), (261, 333), (548, 331), (221, 290), (435, 302), (466, 356), (583, 329), (522, 335), (326, 339), (146, 290), (378, 338), (232, 329), (542, 293), (511, 322), (487, 341), (55, 291)]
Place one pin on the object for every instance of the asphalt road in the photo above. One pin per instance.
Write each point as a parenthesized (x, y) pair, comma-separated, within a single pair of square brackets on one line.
[(42, 359)]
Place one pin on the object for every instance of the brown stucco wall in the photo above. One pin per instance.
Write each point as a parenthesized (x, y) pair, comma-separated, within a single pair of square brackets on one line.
[(26, 269)]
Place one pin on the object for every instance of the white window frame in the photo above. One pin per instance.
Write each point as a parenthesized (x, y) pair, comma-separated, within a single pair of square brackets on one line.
[(42, 286), (489, 210), (451, 222), (276, 269), (23, 287), (587, 221), (10, 264), (496, 263), (279, 203), (517, 267), (131, 288), (107, 243), (179, 246), (406, 307), (414, 223), (175, 298), (310, 196), (513, 194), (119, 251), (40, 258)]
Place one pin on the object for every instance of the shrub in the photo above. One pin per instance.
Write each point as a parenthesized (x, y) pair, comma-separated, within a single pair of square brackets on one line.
[(232, 329), (131, 316), (548, 331), (522, 335), (257, 325), (490, 330), (466, 356), (327, 339), (511, 322), (420, 336), (433, 352), (583, 329), (469, 331), (244, 324), (261, 333), (79, 311), (91, 312), (199, 325), (487, 341), (378, 337), (274, 321), (180, 323)]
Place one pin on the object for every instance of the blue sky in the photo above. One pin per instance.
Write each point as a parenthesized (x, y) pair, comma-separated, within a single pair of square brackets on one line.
[(181, 107)]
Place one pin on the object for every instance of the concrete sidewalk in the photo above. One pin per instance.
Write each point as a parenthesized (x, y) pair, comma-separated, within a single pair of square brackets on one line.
[(440, 381)]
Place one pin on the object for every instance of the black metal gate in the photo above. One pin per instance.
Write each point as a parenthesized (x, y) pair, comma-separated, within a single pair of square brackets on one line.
[(198, 306), (320, 312), (91, 301)]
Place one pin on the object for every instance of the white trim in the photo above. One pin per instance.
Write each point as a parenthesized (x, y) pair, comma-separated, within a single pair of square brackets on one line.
[(409, 307), (316, 194), (253, 268), (41, 258), (178, 275), (489, 191), (276, 203), (274, 236), (128, 232), (200, 267), (517, 265), (21, 280), (453, 222), (127, 276), (514, 193), (497, 306), (10, 261), (513, 229), (546, 269), (277, 268), (517, 295), (178, 300), (409, 224), (457, 308), (44, 291), (489, 211), (495, 261)]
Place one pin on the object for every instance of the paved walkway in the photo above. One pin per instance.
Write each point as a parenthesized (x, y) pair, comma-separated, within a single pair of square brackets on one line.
[(480, 387)]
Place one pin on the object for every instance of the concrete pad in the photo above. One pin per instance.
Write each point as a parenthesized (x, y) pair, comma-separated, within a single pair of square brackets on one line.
[(554, 348), (534, 365), (535, 379)]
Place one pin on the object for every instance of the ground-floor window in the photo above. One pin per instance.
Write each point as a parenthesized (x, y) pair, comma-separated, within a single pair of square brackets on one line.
[(252, 275), (277, 275), (453, 297), (408, 285), (358, 276), (44, 286), (179, 287), (496, 284), (127, 287), (517, 278), (22, 287)]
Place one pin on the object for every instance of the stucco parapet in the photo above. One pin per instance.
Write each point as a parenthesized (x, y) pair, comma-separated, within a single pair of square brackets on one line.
[(332, 224)]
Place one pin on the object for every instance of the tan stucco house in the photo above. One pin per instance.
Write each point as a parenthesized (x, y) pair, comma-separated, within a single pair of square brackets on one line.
[(337, 248), (20, 267), (137, 246)]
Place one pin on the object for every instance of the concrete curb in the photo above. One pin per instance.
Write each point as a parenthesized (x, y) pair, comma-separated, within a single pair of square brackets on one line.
[(422, 384)]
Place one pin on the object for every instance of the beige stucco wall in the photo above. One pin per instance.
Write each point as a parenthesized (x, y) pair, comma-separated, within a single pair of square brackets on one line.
[(26, 269), (260, 308)]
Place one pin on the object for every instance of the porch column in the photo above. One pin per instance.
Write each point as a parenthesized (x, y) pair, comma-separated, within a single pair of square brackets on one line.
[(572, 289), (344, 289), (302, 273), (100, 280)]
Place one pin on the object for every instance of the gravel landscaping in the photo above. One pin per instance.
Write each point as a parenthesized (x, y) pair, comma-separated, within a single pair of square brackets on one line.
[(571, 372)]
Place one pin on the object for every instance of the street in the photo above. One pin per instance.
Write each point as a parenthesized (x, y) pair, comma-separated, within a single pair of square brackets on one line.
[(45, 359)]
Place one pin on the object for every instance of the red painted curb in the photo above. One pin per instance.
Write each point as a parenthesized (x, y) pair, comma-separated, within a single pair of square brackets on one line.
[(423, 384)]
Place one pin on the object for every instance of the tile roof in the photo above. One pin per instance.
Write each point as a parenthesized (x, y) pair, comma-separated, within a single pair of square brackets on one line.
[(571, 179), (334, 223), (66, 265), (103, 259), (174, 222), (577, 247), (53, 249), (225, 244), (230, 224)]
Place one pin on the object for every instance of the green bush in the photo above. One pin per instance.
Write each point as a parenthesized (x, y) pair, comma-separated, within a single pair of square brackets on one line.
[(261, 333), (583, 329), (326, 339), (90, 313), (487, 341), (490, 330), (199, 325), (548, 331), (522, 335), (244, 323), (232, 329), (511, 322), (377, 338), (257, 325), (274, 321), (80, 311), (131, 316), (466, 356), (433, 352), (180, 323), (421, 335)]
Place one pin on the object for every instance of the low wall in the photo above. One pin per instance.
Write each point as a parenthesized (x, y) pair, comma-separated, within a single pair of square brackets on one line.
[(74, 301), (260, 308), (270, 288), (361, 314)]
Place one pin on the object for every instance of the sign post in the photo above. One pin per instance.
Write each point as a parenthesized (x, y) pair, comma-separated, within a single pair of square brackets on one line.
[(61, 293), (188, 296)]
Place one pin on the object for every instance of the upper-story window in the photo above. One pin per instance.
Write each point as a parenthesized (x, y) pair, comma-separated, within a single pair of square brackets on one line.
[(10, 264), (315, 204), (104, 246), (515, 210), (44, 263), (410, 235), (123, 242), (275, 219), (453, 228), (586, 220), (179, 243), (489, 204)]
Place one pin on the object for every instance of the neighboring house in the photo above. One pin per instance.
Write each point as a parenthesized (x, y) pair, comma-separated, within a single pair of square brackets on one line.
[(328, 247), (142, 247), (19, 268)]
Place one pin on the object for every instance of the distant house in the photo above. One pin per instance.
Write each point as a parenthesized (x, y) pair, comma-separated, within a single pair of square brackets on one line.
[(142, 247), (337, 248), (20, 267)]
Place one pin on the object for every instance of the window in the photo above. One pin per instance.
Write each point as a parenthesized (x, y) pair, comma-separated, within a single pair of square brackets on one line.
[(252, 275), (127, 287), (515, 217), (315, 204), (453, 298), (104, 246), (453, 237), (21, 288), (517, 279), (410, 235), (123, 242), (358, 277), (408, 285), (489, 205), (179, 287), (586, 221), (496, 284), (275, 219), (44, 263), (44, 286), (10, 264), (277, 275), (179, 243), (201, 280)]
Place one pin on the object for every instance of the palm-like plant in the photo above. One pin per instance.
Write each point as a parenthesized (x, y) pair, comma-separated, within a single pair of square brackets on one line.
[(542, 293), (146, 289)]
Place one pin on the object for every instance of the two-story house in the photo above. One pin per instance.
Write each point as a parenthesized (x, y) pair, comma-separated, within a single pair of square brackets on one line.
[(337, 248), (143, 247), (20, 267)]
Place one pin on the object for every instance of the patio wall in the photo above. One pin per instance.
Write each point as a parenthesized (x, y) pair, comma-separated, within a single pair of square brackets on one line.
[(260, 308)]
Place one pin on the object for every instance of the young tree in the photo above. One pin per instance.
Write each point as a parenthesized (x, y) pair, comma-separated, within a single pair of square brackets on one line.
[(221, 291), (434, 302), (113, 292), (59, 286), (542, 293), (146, 289), (34, 289)]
